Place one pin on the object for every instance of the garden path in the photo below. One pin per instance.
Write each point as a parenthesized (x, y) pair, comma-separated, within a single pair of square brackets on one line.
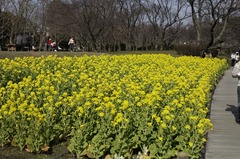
[(224, 140)]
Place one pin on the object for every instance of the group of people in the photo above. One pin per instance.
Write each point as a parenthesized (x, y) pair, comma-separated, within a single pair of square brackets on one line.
[(52, 45), (23, 42), (206, 54), (210, 54)]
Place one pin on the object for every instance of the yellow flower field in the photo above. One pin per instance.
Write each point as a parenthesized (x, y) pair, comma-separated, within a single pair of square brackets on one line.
[(142, 105)]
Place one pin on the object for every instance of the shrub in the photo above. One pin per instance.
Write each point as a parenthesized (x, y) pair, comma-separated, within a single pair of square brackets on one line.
[(188, 49)]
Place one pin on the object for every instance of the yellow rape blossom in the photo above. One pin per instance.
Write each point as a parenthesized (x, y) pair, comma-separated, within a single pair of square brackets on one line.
[(163, 125), (139, 104), (118, 119), (154, 115), (168, 117), (101, 114), (190, 144), (124, 104), (149, 124), (201, 131), (194, 118), (113, 111), (160, 138), (165, 112), (124, 88), (204, 140), (158, 119), (188, 127), (174, 128)]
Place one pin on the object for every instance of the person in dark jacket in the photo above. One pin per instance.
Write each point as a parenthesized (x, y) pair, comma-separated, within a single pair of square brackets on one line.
[(19, 42), (26, 42)]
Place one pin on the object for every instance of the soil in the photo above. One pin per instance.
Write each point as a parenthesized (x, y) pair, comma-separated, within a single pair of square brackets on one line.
[(58, 151)]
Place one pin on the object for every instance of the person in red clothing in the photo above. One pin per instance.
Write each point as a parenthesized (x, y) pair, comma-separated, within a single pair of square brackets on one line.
[(49, 44)]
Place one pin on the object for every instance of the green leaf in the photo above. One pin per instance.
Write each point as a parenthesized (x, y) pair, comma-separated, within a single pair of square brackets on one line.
[(135, 138), (57, 127), (146, 157), (29, 140), (170, 154), (180, 138), (153, 150), (143, 138), (71, 147), (127, 155), (88, 152), (14, 142)]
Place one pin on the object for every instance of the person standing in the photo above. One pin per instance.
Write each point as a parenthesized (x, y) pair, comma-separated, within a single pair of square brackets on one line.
[(25, 42), (237, 56), (233, 60), (71, 44), (49, 44), (236, 74), (19, 42)]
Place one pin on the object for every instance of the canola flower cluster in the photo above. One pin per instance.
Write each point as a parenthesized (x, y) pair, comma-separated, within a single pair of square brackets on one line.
[(116, 105)]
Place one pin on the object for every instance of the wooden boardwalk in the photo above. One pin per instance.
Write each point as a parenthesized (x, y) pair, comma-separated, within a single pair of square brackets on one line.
[(224, 140)]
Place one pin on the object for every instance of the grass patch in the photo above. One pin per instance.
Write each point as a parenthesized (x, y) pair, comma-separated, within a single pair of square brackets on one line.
[(13, 54)]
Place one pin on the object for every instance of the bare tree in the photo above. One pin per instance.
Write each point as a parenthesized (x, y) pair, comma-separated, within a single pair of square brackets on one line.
[(3, 23), (128, 13), (60, 22), (216, 13), (39, 21), (220, 13), (117, 24), (232, 34), (163, 15), (88, 20), (197, 16), (20, 21)]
